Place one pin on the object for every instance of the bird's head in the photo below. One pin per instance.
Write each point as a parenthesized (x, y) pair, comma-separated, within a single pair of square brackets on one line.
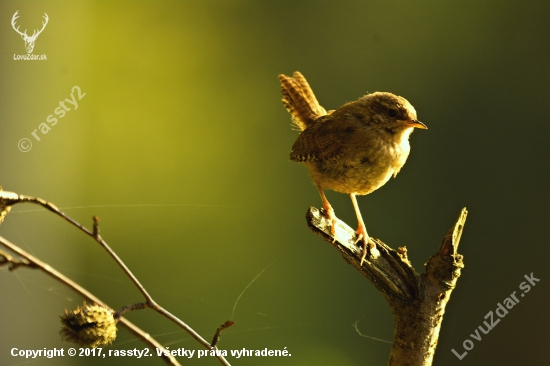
[(390, 111)]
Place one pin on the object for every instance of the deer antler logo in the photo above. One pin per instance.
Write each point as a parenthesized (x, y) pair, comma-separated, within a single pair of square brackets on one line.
[(29, 40)]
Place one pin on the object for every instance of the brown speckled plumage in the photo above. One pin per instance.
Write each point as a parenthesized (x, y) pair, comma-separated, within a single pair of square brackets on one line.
[(355, 149)]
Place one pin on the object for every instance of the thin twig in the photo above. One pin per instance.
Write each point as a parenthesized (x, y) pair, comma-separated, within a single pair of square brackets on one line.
[(121, 264), (218, 334), (150, 303), (13, 263), (127, 308), (97, 237), (49, 270)]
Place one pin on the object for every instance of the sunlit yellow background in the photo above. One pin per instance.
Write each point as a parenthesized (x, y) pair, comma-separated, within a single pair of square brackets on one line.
[(180, 145)]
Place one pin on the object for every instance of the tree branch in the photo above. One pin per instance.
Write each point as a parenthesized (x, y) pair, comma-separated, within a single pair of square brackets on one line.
[(417, 300)]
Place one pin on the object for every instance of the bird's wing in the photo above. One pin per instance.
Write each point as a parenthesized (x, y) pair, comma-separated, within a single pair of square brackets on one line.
[(299, 100), (325, 140)]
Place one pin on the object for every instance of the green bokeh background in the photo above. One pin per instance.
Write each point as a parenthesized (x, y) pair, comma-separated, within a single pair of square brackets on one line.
[(181, 146)]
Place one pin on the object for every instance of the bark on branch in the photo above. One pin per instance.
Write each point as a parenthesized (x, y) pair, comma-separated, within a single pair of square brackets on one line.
[(417, 300)]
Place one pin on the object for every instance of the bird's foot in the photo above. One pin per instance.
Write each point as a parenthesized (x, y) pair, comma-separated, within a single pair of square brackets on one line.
[(368, 244), (333, 221)]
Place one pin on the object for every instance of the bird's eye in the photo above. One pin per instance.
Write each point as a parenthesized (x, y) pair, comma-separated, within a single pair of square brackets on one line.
[(392, 112)]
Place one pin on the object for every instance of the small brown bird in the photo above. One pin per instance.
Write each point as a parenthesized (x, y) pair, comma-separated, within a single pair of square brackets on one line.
[(354, 149)]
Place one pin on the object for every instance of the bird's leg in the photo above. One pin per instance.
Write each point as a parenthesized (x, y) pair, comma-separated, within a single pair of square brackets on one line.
[(361, 229), (329, 210)]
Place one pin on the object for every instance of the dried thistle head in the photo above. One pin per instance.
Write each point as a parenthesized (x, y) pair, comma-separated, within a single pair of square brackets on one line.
[(89, 326)]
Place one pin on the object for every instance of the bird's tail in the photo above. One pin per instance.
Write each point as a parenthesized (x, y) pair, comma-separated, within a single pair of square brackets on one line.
[(299, 100)]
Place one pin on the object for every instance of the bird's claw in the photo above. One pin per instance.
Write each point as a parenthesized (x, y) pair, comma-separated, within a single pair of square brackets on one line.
[(368, 246), (333, 228), (333, 221)]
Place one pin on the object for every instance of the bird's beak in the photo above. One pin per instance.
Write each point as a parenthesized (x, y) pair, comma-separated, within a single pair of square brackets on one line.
[(416, 123)]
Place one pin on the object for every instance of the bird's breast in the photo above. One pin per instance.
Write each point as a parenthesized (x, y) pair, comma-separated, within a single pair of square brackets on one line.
[(363, 168)]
